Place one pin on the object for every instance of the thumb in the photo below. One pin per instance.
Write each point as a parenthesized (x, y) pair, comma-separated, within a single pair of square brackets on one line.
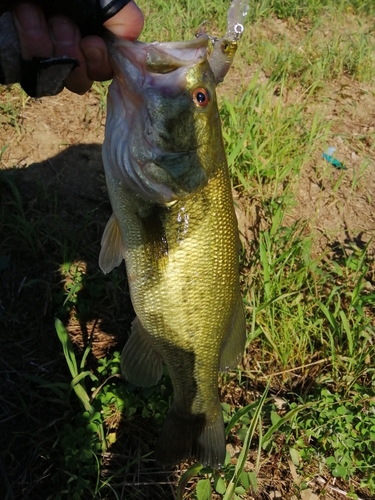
[(127, 23)]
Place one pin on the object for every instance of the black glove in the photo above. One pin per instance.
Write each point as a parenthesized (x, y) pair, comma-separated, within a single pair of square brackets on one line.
[(45, 76)]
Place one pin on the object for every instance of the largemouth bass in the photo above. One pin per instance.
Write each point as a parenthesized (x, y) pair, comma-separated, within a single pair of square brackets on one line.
[(174, 224)]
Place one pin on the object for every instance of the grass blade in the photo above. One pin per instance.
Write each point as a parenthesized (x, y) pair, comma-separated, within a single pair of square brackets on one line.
[(245, 448)]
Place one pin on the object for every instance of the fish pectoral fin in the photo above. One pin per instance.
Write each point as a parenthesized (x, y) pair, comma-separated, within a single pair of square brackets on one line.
[(140, 363), (112, 251), (234, 341), (192, 436)]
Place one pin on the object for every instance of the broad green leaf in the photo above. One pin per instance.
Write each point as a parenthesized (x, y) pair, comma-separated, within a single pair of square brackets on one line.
[(275, 417), (295, 456), (241, 433), (92, 427), (203, 489), (219, 485), (253, 481), (226, 408), (340, 471), (240, 490), (245, 480)]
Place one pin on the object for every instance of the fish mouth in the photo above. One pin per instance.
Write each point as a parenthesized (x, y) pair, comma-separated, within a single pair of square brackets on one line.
[(157, 58)]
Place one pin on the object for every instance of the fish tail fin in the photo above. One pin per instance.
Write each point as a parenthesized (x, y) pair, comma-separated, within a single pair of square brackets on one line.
[(196, 436)]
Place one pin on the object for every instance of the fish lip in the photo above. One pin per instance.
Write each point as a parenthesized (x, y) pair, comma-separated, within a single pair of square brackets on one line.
[(115, 44)]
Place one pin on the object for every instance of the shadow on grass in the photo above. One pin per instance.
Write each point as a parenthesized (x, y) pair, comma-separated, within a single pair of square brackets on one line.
[(52, 217)]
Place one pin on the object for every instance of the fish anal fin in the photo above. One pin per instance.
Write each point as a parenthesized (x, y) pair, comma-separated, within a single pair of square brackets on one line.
[(112, 251), (192, 436), (234, 341), (140, 363)]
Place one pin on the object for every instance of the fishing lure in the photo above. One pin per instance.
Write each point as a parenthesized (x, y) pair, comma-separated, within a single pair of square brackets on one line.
[(224, 48)]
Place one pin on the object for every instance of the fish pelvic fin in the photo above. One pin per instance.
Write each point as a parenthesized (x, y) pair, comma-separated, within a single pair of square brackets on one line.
[(194, 436), (140, 363), (234, 342), (112, 251)]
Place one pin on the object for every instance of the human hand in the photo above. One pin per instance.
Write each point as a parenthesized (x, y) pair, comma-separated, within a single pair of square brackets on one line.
[(60, 36)]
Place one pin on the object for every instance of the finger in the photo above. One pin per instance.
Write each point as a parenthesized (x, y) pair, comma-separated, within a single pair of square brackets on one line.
[(95, 51), (32, 30), (66, 40), (128, 23)]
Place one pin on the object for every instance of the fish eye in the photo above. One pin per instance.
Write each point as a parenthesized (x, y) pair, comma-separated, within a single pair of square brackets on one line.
[(201, 97)]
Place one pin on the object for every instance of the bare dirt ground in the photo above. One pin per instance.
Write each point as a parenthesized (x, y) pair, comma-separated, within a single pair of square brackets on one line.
[(339, 204), (57, 144)]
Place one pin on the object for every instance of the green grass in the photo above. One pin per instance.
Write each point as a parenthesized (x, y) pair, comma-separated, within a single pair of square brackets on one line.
[(268, 143), (306, 306), (310, 313), (317, 57), (12, 103)]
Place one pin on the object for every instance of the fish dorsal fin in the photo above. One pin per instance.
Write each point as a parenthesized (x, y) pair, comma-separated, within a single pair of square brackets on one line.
[(112, 251), (234, 341), (140, 363)]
